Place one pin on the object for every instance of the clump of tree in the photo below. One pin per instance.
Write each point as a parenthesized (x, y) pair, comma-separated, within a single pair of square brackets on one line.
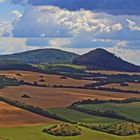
[(41, 80), (63, 77), (63, 130), (97, 101), (123, 84), (25, 96), (18, 74), (121, 129), (5, 81)]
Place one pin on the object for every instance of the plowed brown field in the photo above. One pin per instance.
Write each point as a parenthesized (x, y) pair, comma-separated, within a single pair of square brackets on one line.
[(58, 97), (131, 86), (11, 116), (49, 79)]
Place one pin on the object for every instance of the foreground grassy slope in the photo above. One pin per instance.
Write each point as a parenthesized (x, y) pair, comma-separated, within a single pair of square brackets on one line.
[(77, 116), (129, 110), (35, 133)]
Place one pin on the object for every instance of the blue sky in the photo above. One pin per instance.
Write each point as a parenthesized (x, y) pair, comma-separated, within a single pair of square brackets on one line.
[(71, 25)]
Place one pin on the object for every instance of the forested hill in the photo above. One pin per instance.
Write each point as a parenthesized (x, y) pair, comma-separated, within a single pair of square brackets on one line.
[(102, 59)]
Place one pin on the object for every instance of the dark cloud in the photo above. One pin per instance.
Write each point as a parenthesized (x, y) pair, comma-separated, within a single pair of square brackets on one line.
[(116, 7)]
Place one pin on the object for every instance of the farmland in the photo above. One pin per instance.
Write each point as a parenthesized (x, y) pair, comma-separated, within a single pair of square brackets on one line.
[(128, 110), (131, 86), (20, 117), (56, 100), (73, 115), (58, 97), (48, 78), (35, 133)]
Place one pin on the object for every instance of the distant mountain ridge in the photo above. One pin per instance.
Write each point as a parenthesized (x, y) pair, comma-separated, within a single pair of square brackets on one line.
[(104, 60), (41, 56), (99, 59)]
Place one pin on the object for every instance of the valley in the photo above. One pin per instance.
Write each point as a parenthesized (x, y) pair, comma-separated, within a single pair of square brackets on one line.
[(48, 95)]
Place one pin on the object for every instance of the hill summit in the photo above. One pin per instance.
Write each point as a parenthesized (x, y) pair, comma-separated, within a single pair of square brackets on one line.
[(41, 56), (104, 60)]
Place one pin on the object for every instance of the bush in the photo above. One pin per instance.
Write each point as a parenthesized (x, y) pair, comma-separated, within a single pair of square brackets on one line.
[(18, 74), (63, 130), (121, 129), (25, 96), (123, 84), (41, 80)]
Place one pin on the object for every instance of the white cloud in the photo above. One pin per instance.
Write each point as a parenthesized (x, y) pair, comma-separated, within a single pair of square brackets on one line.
[(5, 28), (1, 1), (17, 13), (47, 21), (78, 31), (121, 44), (11, 45), (132, 25), (130, 55)]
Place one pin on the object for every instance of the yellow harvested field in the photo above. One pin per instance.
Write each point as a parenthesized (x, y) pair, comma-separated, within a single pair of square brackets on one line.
[(58, 97), (11, 116), (131, 86), (48, 78)]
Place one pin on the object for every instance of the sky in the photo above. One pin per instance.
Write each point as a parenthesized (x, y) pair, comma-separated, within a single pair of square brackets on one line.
[(71, 25)]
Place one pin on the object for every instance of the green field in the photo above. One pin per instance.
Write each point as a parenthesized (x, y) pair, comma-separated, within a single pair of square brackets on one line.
[(129, 110), (35, 133), (59, 66), (77, 116)]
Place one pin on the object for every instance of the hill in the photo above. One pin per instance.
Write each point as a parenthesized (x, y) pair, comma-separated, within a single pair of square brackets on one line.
[(104, 60), (41, 56)]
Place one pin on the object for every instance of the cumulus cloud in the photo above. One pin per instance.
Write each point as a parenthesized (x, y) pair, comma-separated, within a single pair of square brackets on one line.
[(16, 13), (78, 31), (132, 25), (121, 44), (11, 45), (49, 21), (5, 28)]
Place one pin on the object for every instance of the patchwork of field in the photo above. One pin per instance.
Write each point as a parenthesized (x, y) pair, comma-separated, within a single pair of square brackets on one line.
[(129, 110), (11, 116), (48, 78), (131, 86), (58, 97), (55, 101)]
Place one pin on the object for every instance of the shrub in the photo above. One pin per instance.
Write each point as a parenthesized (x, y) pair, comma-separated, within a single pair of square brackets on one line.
[(121, 129), (18, 74), (41, 80), (25, 96), (63, 130)]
